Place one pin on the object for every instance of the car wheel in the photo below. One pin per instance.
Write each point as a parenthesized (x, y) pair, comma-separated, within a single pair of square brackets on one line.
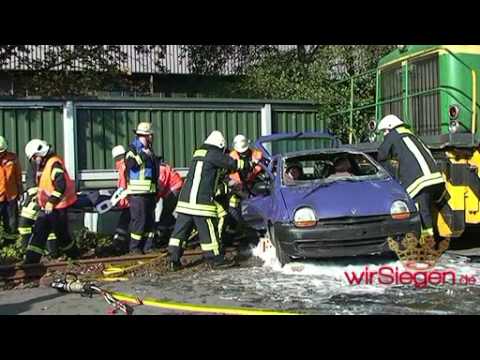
[(281, 256)]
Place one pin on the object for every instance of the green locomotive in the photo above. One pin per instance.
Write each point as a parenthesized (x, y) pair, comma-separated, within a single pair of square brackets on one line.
[(434, 89)]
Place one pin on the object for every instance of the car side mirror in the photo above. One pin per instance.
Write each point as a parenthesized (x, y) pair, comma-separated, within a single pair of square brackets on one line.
[(262, 188)]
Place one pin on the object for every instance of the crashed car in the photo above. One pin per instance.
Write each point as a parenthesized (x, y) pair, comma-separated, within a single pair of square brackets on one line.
[(322, 199)]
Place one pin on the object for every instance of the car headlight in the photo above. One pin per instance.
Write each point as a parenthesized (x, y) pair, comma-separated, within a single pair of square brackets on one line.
[(399, 210), (304, 217)]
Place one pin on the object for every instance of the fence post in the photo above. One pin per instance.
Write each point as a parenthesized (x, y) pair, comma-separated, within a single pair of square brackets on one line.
[(266, 119), (70, 138), (350, 135), (266, 122)]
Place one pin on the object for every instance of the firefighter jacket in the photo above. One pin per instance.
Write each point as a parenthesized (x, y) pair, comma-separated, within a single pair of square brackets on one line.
[(245, 177), (141, 170), (417, 167), (55, 185), (10, 177), (197, 196), (32, 178), (169, 180), (121, 168)]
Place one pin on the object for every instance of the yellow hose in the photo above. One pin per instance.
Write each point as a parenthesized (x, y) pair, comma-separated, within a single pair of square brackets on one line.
[(208, 309)]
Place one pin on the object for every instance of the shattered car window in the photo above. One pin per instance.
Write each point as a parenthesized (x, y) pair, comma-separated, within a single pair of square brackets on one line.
[(330, 167)]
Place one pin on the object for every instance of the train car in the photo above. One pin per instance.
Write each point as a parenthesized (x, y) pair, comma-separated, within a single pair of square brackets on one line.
[(434, 89)]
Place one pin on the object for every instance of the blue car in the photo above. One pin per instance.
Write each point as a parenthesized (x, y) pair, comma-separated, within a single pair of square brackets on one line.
[(321, 199)]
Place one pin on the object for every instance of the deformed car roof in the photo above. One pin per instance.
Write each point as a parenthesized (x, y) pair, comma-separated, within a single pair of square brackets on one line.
[(295, 135)]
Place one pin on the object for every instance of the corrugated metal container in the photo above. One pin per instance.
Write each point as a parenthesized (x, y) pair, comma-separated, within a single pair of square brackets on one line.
[(178, 132), (20, 125), (172, 60), (302, 120)]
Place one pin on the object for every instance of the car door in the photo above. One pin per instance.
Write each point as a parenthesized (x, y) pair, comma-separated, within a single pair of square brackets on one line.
[(256, 210)]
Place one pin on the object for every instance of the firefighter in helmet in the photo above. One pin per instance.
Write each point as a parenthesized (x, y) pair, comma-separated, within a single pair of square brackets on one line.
[(30, 210), (142, 175), (55, 194), (197, 206), (418, 171), (121, 237), (242, 181)]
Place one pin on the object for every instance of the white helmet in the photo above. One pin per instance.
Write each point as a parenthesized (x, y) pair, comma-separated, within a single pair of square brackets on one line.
[(240, 143), (118, 151), (144, 128), (3, 144), (216, 139), (389, 122), (36, 147)]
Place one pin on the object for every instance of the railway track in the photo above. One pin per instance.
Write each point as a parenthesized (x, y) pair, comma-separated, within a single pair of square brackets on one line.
[(17, 273)]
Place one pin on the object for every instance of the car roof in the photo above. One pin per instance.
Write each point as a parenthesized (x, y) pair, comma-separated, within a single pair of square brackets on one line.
[(259, 144), (342, 149)]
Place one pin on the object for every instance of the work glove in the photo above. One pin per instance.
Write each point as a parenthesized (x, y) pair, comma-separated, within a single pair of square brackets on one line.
[(48, 208)]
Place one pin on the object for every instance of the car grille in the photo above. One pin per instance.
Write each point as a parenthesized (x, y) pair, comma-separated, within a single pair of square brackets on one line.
[(349, 232)]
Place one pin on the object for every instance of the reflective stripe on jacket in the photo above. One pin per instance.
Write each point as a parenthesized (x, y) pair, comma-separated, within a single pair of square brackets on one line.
[(197, 196), (417, 167), (141, 175)]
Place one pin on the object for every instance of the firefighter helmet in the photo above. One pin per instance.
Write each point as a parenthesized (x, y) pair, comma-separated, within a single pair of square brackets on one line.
[(389, 122), (3, 144), (36, 147), (240, 143), (118, 151), (144, 128), (216, 139)]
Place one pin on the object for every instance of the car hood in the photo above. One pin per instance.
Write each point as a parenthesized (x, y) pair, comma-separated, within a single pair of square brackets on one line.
[(346, 198)]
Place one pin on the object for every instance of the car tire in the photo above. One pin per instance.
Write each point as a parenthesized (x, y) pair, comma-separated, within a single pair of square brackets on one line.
[(281, 256)]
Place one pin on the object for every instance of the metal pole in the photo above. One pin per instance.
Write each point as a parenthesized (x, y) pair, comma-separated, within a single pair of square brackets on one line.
[(69, 139), (350, 136), (266, 122)]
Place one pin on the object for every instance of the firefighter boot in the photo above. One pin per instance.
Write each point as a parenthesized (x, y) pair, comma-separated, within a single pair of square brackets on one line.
[(148, 243), (220, 262), (52, 247)]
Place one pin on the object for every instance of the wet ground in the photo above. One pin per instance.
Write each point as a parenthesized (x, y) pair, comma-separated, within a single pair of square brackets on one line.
[(310, 287)]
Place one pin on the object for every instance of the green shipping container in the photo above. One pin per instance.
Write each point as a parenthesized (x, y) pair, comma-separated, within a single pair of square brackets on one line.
[(305, 120), (177, 132), (20, 125)]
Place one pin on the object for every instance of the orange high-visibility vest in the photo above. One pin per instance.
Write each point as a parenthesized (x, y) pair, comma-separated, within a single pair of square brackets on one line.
[(10, 177), (256, 155), (46, 186)]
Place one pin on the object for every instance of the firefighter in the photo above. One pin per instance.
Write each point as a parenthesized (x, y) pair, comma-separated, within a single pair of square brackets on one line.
[(170, 184), (142, 176), (30, 209), (418, 172), (55, 194), (197, 207), (242, 181), (121, 237), (10, 190)]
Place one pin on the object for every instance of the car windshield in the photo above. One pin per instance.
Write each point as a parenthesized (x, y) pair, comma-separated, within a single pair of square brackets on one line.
[(330, 167)]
